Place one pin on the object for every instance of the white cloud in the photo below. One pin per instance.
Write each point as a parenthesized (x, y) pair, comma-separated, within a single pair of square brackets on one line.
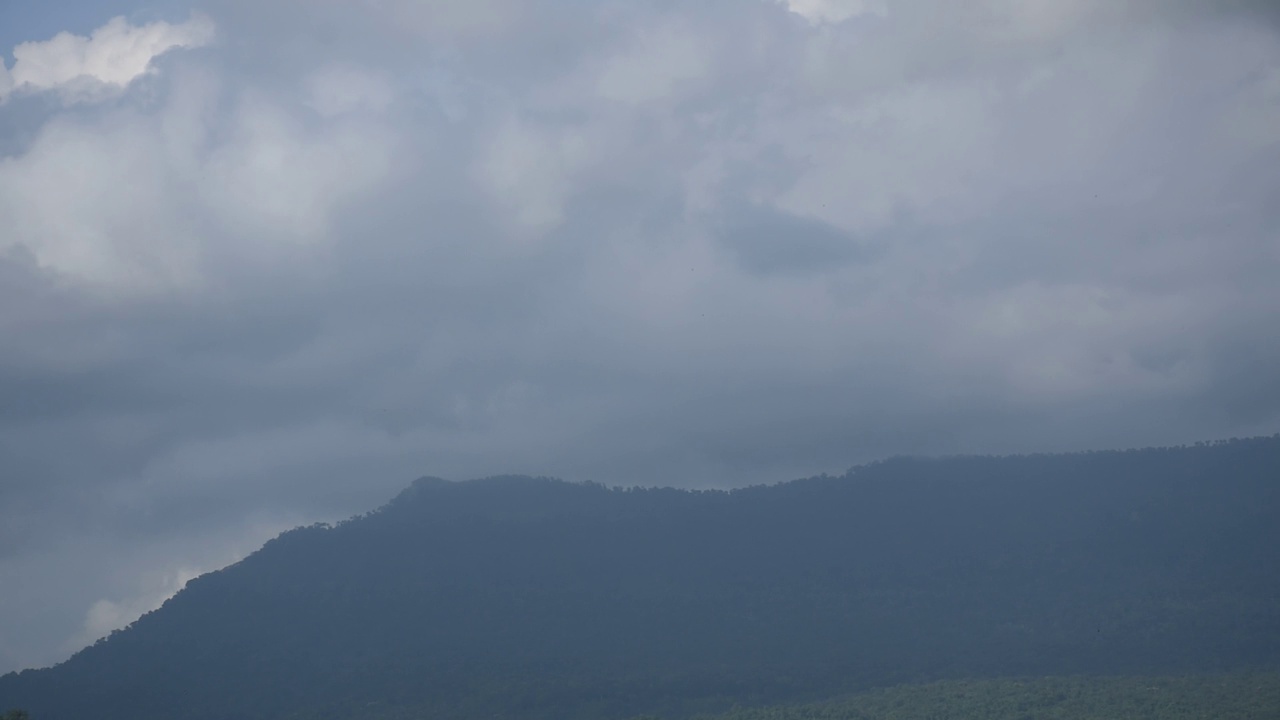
[(98, 203), (132, 202), (111, 57), (818, 12)]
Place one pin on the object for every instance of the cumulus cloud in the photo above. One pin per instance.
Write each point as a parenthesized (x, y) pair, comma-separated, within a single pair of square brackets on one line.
[(689, 243), (135, 201), (110, 58)]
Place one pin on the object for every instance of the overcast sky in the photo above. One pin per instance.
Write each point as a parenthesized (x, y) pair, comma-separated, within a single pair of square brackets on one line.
[(264, 262)]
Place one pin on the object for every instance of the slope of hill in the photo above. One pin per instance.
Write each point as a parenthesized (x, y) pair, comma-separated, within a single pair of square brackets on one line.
[(534, 598)]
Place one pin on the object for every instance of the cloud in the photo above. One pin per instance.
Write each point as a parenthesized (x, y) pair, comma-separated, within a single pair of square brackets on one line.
[(341, 90), (657, 64), (835, 11), (137, 202), (771, 240), (636, 242), (529, 170), (111, 57)]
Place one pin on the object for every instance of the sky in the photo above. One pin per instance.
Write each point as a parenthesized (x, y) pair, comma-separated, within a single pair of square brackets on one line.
[(264, 262)]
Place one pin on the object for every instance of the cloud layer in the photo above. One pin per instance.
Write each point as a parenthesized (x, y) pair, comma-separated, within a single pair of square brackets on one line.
[(273, 279)]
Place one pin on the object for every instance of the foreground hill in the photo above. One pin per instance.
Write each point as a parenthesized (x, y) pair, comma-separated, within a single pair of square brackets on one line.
[(533, 598)]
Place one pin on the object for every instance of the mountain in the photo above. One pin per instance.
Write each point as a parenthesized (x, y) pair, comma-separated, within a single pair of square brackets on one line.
[(516, 597)]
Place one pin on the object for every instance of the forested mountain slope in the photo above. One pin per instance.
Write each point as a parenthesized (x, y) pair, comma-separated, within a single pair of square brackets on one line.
[(533, 598)]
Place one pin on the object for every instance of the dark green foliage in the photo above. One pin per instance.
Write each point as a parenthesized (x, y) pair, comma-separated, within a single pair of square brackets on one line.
[(15, 715), (532, 598), (1251, 696)]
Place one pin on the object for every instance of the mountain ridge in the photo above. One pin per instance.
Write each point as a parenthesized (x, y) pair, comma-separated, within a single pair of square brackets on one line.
[(534, 597)]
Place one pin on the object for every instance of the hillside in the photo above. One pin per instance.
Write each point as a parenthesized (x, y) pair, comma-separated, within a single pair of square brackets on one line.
[(533, 598)]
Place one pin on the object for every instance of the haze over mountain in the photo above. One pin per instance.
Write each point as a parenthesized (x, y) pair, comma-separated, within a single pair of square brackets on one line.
[(516, 597)]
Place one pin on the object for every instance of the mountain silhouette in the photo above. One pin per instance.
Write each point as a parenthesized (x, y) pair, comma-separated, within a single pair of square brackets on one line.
[(518, 597)]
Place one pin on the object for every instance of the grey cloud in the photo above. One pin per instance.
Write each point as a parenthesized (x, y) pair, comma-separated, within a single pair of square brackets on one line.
[(357, 243), (767, 240)]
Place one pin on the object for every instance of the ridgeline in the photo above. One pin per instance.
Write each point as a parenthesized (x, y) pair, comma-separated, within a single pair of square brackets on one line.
[(532, 598)]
